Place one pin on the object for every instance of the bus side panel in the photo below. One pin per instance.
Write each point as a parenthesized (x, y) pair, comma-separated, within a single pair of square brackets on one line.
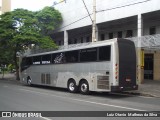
[(79, 71), (94, 72)]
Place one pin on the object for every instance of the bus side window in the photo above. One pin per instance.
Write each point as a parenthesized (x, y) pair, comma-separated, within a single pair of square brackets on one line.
[(23, 63), (105, 53), (29, 61), (88, 55), (46, 59), (71, 56), (58, 58), (26, 62), (36, 60)]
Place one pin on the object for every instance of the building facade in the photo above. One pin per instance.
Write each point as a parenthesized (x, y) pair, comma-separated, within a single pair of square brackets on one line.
[(5, 5), (115, 19)]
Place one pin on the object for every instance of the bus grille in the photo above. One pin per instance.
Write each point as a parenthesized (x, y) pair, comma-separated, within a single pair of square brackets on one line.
[(48, 80), (103, 82), (45, 78)]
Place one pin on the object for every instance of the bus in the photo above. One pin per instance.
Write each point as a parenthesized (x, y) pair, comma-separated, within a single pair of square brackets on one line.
[(104, 66)]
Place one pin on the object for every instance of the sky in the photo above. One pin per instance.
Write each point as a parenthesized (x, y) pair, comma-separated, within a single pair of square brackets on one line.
[(33, 5)]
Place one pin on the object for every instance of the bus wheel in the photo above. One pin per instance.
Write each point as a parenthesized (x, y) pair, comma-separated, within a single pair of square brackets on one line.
[(29, 81), (72, 86), (84, 87)]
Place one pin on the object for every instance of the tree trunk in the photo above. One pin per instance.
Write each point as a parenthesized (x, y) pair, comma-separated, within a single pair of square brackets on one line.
[(3, 73), (16, 65)]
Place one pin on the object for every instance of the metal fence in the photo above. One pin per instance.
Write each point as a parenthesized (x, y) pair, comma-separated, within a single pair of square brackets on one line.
[(147, 42)]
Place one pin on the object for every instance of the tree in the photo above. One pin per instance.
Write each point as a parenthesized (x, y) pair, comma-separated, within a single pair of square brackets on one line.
[(48, 20), (5, 58), (21, 28)]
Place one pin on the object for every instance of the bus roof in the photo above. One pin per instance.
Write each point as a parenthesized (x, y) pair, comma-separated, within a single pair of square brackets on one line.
[(77, 47)]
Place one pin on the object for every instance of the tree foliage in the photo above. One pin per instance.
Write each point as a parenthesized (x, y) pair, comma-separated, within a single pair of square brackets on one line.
[(48, 20), (21, 28)]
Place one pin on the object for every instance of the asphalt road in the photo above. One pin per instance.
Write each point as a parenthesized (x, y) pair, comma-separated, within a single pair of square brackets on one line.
[(17, 97)]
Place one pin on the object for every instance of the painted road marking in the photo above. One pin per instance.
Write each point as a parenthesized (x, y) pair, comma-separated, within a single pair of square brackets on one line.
[(45, 118)]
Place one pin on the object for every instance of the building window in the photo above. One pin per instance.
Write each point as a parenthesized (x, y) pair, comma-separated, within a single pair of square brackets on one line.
[(152, 30), (129, 33), (119, 35), (110, 35), (81, 39), (59, 42), (69, 42), (75, 41), (88, 39), (102, 36)]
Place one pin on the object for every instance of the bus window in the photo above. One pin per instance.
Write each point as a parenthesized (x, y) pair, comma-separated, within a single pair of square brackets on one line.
[(104, 53), (29, 61), (23, 64), (36, 60), (46, 59), (71, 56), (26, 62), (58, 58), (88, 55)]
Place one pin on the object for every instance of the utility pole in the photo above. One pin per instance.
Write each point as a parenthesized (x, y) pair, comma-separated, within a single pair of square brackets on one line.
[(94, 22)]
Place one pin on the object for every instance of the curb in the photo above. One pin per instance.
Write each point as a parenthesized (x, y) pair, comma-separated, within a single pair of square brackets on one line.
[(142, 94)]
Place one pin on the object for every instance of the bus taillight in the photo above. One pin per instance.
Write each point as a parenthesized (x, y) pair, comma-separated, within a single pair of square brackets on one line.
[(116, 71)]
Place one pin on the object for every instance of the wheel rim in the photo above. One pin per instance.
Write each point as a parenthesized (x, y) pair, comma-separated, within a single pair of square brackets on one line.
[(71, 86), (84, 87)]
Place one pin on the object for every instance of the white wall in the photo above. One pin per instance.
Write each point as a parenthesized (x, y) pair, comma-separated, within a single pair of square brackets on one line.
[(74, 10)]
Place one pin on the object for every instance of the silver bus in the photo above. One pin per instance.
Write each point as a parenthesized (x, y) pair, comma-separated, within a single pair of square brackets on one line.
[(104, 66)]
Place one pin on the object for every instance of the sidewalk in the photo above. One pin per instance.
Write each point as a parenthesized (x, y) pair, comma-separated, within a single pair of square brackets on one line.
[(9, 76), (150, 88)]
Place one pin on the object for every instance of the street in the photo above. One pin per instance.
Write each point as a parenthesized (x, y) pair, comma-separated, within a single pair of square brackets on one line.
[(17, 97)]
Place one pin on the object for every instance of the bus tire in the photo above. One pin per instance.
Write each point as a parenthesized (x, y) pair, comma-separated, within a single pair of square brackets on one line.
[(72, 87), (84, 87), (29, 81)]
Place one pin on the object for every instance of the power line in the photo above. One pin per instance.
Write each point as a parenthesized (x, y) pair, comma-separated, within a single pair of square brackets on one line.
[(123, 6), (104, 11), (87, 10), (71, 23), (56, 3)]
